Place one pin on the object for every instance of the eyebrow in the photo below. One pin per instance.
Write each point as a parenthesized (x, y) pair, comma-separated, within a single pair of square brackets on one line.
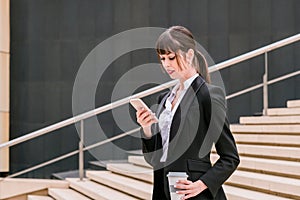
[(167, 53)]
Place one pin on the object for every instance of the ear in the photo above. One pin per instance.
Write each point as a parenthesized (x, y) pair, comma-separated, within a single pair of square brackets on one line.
[(190, 56)]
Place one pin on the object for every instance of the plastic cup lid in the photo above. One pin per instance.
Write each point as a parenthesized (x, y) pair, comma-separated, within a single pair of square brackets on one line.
[(178, 174)]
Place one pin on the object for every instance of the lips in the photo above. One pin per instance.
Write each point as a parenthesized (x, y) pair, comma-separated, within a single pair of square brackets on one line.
[(170, 71)]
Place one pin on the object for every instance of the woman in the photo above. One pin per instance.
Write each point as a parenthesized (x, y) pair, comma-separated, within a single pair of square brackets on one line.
[(191, 118)]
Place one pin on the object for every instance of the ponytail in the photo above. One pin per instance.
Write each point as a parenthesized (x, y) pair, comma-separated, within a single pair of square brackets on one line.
[(202, 66)]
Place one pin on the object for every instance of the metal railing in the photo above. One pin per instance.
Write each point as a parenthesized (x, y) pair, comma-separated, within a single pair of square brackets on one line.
[(80, 118)]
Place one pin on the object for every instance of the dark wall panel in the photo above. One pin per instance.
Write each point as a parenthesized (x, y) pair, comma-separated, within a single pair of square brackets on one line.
[(51, 38)]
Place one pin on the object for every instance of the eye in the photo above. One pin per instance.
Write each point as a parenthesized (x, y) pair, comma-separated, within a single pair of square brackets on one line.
[(162, 58), (172, 58)]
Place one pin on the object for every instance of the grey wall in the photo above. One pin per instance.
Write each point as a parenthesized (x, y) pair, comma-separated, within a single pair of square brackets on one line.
[(50, 39)]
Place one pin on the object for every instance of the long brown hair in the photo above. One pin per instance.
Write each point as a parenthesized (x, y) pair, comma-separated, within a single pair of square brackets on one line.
[(178, 38)]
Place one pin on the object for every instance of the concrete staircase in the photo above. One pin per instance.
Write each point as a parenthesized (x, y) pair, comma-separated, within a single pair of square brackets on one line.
[(269, 148)]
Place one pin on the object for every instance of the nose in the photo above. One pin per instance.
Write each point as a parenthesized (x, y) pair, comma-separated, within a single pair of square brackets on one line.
[(166, 63)]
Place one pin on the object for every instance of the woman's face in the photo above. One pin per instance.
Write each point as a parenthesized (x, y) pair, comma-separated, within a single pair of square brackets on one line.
[(170, 62)]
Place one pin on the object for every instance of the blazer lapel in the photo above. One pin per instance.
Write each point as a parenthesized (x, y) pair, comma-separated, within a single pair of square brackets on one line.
[(159, 110), (162, 104), (183, 108)]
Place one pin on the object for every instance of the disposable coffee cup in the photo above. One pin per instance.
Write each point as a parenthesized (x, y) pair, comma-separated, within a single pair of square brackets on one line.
[(173, 177)]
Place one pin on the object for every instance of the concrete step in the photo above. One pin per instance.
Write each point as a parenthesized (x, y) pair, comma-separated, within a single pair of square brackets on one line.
[(128, 185), (270, 120), (138, 160), (271, 152), (278, 129), (66, 194), (270, 166), (283, 111), (11, 187), (268, 139), (38, 197), (66, 174), (293, 104), (235, 193), (276, 152), (130, 170), (101, 164), (97, 191), (282, 186)]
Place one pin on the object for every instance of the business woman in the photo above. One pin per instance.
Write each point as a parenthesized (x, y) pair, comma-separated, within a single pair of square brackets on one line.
[(192, 117)]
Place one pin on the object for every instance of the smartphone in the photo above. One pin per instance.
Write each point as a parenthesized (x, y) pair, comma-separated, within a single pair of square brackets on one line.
[(138, 104)]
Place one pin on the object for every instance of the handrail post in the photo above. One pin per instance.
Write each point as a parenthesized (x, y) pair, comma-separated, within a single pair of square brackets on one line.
[(265, 86), (81, 158)]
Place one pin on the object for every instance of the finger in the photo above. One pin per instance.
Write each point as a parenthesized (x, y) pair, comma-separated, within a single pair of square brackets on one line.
[(145, 115), (149, 114), (184, 181), (141, 119), (182, 186), (140, 112), (184, 192), (147, 121)]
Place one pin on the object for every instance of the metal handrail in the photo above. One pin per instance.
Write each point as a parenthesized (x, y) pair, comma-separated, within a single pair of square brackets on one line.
[(255, 53), (81, 117), (261, 84)]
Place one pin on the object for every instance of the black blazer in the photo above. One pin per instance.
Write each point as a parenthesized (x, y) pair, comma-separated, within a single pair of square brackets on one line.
[(199, 121)]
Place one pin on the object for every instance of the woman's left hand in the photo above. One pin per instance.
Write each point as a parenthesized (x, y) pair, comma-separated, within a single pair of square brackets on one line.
[(189, 188)]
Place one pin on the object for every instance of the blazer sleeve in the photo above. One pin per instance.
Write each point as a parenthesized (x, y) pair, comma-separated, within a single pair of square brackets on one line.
[(150, 145), (224, 143)]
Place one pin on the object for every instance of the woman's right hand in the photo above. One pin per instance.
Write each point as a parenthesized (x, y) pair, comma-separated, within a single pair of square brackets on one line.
[(146, 118)]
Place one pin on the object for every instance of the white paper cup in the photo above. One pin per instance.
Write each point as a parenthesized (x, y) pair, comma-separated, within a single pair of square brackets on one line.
[(173, 177)]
